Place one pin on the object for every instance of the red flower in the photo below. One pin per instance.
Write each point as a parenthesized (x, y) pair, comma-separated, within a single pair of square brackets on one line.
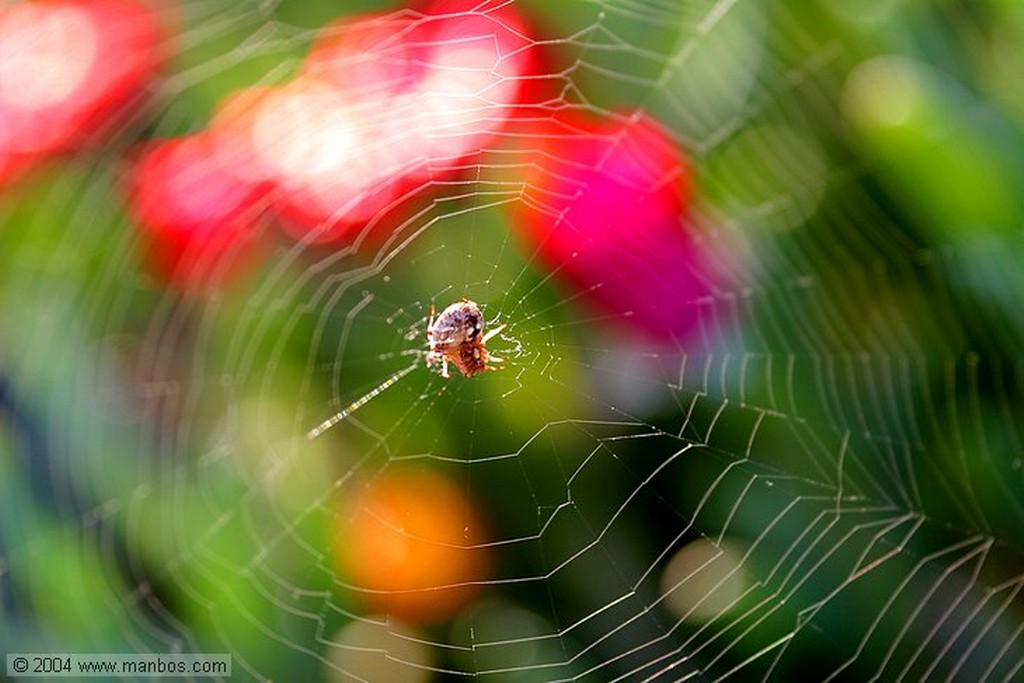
[(196, 213)]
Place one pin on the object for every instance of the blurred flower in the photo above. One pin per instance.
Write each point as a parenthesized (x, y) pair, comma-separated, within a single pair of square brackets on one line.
[(705, 579), (605, 208), (370, 57), (68, 68), (369, 650), (333, 159), (383, 106), (195, 212), (410, 542)]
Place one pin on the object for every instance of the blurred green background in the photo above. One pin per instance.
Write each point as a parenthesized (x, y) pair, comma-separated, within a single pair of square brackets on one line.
[(846, 430)]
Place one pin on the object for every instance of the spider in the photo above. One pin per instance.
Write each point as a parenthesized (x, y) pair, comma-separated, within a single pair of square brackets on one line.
[(456, 337)]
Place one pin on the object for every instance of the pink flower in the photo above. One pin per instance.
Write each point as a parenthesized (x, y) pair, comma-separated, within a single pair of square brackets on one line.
[(384, 106), (605, 209), (68, 70)]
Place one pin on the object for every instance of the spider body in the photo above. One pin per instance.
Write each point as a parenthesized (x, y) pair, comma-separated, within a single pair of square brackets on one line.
[(456, 337)]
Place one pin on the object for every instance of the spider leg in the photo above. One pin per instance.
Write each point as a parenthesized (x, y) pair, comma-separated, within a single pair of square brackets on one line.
[(491, 333), (444, 367)]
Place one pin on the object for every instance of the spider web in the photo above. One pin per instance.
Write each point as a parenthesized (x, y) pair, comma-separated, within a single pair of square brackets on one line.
[(822, 481)]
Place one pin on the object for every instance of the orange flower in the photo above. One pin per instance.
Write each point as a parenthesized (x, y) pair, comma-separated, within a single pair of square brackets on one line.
[(411, 544)]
